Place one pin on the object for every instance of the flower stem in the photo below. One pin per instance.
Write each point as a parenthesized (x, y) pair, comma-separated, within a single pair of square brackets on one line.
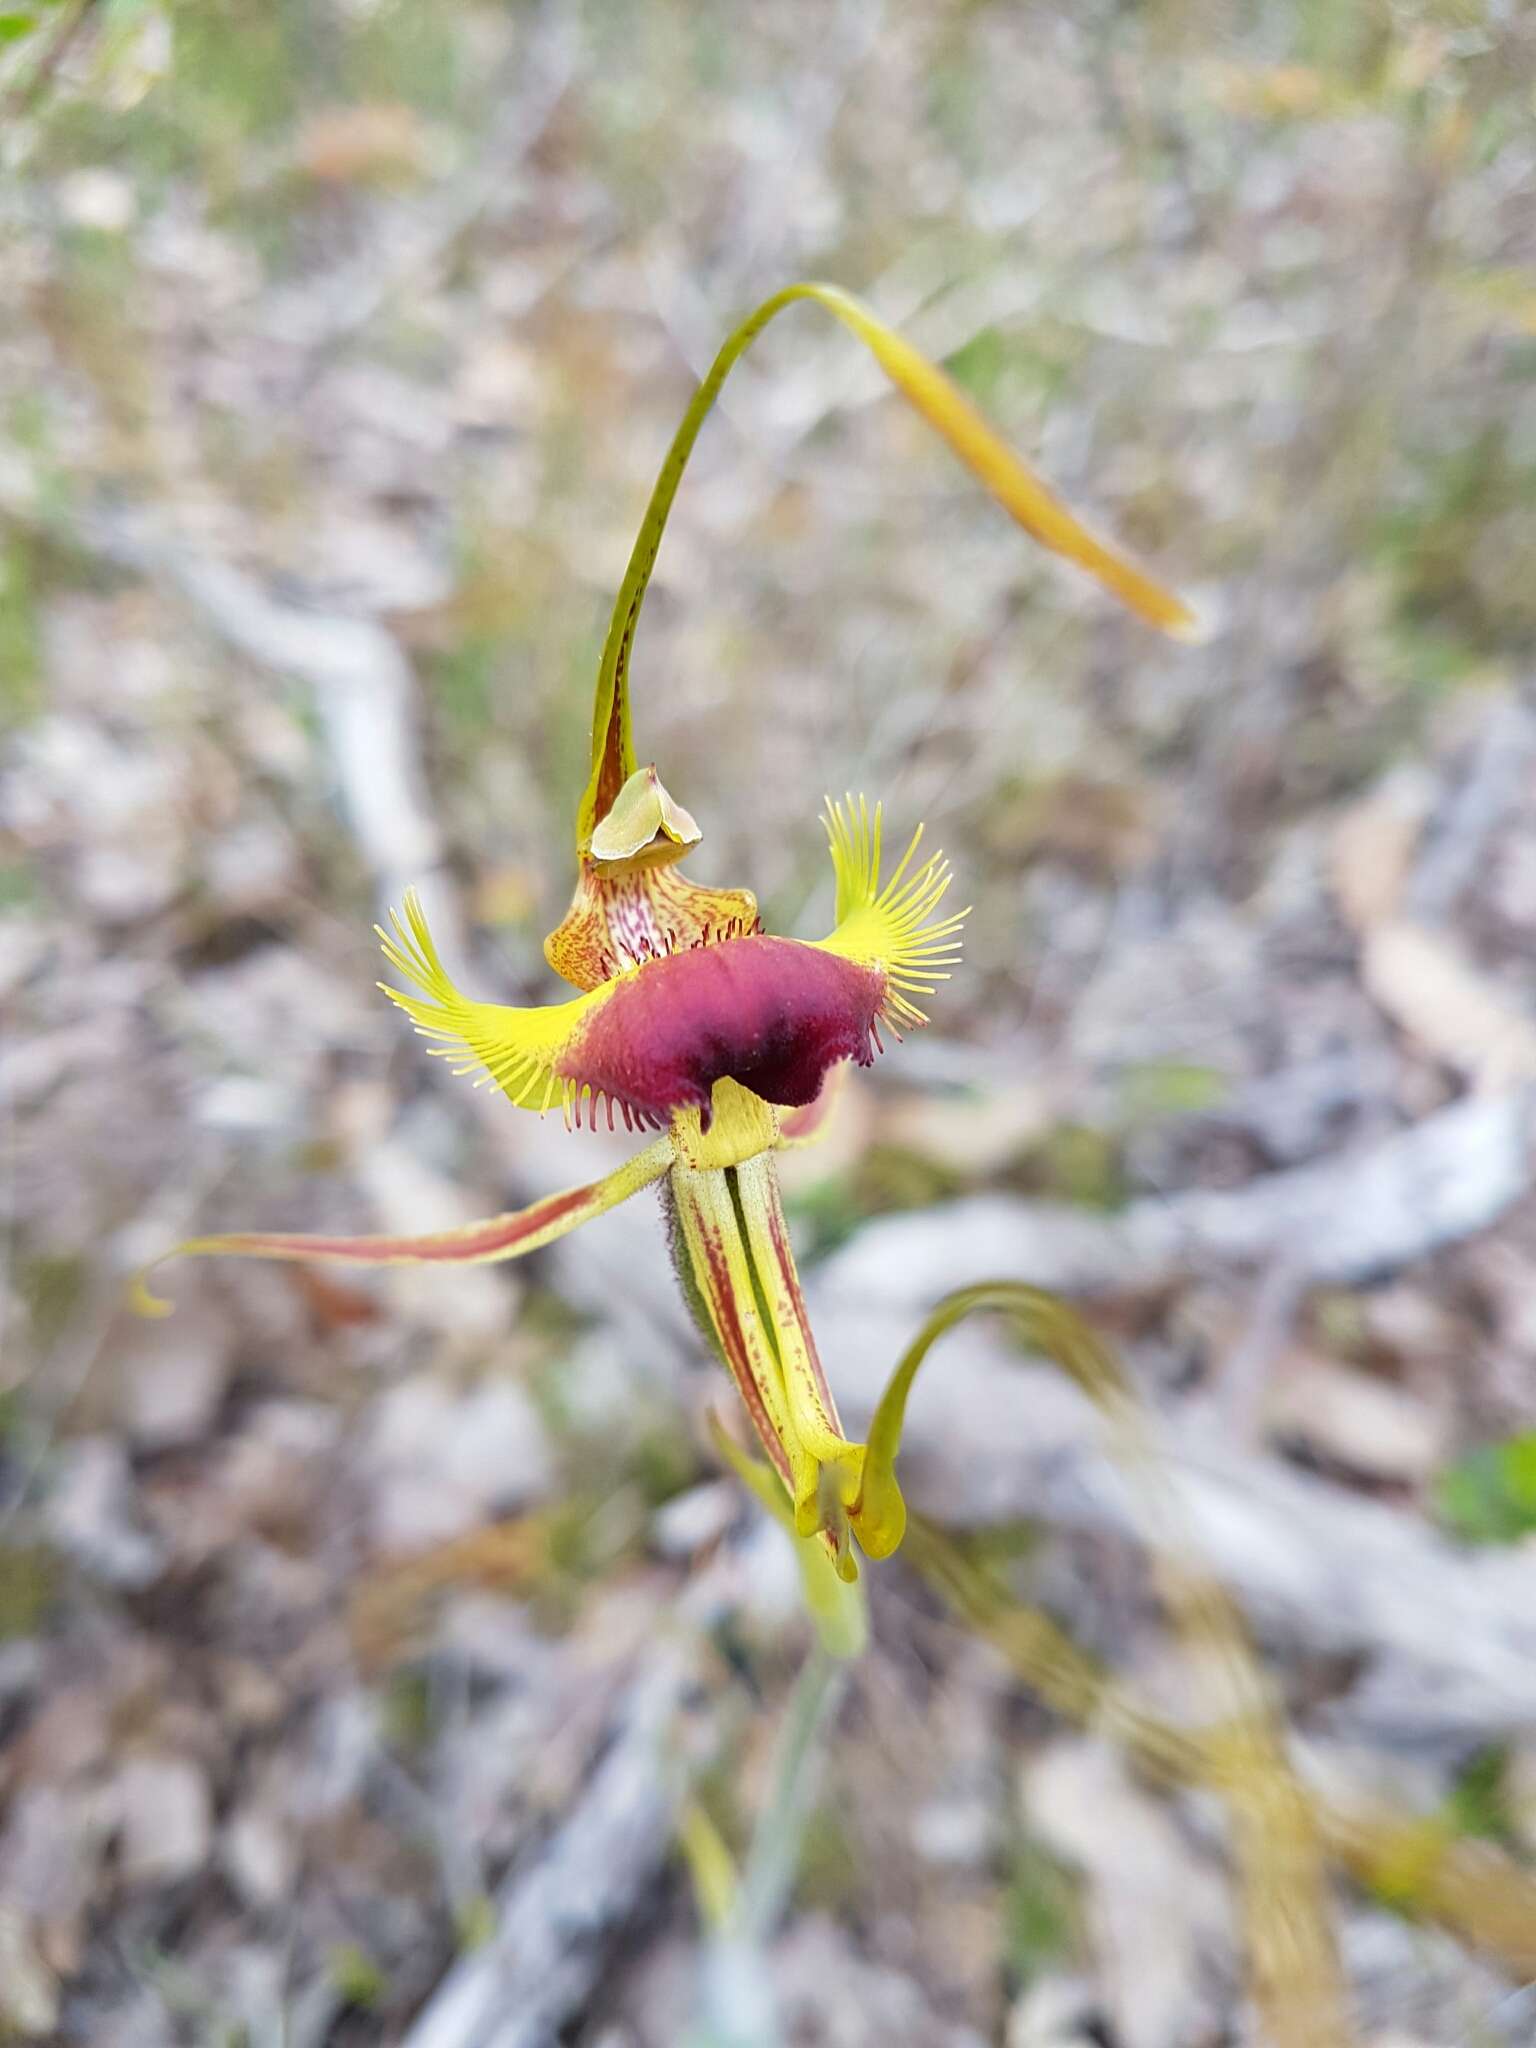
[(776, 1844), (737, 2008)]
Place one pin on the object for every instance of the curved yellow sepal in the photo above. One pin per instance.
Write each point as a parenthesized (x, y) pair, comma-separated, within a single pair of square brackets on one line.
[(834, 1598), (153, 1307), (1010, 481), (879, 1514)]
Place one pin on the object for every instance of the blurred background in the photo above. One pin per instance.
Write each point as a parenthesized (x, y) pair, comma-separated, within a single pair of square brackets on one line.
[(360, 1636)]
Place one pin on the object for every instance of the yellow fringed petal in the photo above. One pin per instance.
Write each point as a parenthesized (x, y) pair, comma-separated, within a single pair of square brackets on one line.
[(891, 929), (516, 1048)]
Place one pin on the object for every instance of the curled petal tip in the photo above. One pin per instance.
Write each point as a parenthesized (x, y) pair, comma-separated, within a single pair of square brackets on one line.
[(143, 1302)]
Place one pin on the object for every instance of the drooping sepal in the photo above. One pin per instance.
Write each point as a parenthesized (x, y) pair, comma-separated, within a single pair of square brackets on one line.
[(1047, 1324), (733, 1248)]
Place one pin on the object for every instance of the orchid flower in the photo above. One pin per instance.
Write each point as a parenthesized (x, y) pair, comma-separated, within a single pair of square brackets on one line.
[(693, 1023)]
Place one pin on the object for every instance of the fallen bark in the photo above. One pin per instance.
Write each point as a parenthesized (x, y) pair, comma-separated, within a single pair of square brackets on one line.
[(1340, 1221)]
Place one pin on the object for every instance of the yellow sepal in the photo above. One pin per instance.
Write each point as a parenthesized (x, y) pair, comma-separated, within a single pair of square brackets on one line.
[(945, 407), (834, 1600)]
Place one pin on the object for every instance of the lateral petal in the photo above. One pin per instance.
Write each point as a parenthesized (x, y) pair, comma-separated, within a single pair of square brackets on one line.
[(508, 1236), (717, 1277), (812, 1410), (810, 1124), (517, 1048), (894, 929)]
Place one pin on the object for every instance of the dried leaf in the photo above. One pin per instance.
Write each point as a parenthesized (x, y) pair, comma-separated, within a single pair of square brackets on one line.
[(1439, 998)]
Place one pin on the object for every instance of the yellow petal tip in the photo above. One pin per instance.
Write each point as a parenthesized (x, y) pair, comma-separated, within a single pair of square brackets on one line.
[(1193, 628), (142, 1302)]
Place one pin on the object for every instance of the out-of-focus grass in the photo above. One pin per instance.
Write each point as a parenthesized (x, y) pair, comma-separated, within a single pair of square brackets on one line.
[(1040, 1910), (22, 688), (29, 1575)]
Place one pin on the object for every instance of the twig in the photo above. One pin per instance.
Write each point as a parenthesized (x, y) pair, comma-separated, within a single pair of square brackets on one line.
[(363, 686), (1238, 1395), (1496, 772), (320, 315)]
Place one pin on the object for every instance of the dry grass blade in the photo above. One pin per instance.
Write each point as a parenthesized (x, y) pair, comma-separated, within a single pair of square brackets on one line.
[(1297, 1982), (388, 1604), (1473, 1888)]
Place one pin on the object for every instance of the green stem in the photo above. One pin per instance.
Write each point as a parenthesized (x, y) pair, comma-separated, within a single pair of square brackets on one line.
[(779, 1837), (737, 2008), (613, 753)]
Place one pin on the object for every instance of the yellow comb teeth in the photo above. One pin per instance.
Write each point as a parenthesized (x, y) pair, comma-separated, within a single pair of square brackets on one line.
[(892, 928)]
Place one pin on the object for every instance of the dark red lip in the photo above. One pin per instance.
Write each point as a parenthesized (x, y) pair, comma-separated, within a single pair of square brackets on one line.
[(772, 1014)]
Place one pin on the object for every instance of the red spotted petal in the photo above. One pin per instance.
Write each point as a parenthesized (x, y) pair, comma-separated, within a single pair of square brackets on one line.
[(772, 1014)]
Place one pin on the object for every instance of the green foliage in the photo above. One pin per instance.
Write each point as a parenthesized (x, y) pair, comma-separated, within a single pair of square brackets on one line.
[(1039, 1911), (1076, 1163), (28, 1575), (887, 1180), (21, 673), (408, 1716), (1479, 1801), (832, 1876), (1157, 1089), (825, 1215), (1002, 370), (358, 1979), (894, 1177), (474, 1921), (1489, 1496), (51, 1285)]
